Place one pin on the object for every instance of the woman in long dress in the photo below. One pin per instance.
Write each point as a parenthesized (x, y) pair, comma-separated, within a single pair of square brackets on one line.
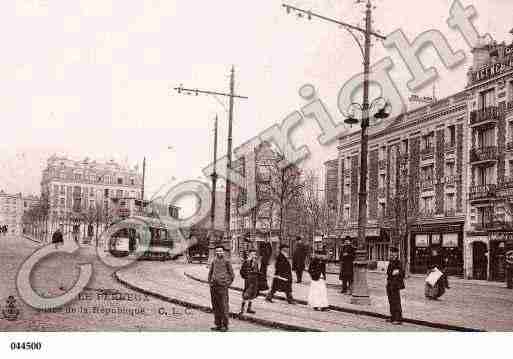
[(318, 295), (250, 271), (438, 289)]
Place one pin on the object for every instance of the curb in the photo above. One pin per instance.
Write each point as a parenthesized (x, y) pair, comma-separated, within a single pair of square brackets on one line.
[(32, 239), (206, 309), (365, 312)]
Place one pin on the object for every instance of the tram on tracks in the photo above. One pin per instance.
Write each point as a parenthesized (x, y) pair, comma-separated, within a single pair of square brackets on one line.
[(126, 241)]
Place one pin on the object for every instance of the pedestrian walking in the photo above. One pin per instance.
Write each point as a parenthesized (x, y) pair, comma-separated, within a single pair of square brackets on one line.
[(282, 280), (346, 266), (266, 251), (436, 280), (318, 294), (220, 277), (395, 283), (250, 272), (299, 258), (57, 237)]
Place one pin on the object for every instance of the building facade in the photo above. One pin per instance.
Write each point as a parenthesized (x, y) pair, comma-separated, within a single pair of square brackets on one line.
[(451, 165), (489, 230), (12, 209), (72, 191)]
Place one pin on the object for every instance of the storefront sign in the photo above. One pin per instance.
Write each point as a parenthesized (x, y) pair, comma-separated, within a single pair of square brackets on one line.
[(492, 70), (421, 240), (450, 240), (501, 236), (509, 257)]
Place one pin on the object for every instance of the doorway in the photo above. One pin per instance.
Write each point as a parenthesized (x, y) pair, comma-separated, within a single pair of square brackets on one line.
[(479, 261)]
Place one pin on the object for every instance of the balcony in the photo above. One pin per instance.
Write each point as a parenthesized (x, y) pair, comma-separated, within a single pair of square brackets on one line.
[(509, 146), (480, 155), (482, 192), (505, 188), (451, 180), (487, 116), (427, 153), (382, 164), (382, 192), (427, 185), (450, 147), (426, 213)]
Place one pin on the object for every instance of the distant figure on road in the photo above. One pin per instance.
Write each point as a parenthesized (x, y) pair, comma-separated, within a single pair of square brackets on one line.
[(438, 289), (57, 237), (266, 251), (299, 258), (282, 281), (346, 266), (250, 272), (220, 277), (318, 295), (395, 283)]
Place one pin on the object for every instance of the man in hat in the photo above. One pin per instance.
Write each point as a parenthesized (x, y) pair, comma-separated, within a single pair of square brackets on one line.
[(220, 277), (282, 281), (395, 283), (346, 265), (57, 237), (299, 258)]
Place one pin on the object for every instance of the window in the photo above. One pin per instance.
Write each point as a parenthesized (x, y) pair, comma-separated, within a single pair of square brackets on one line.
[(78, 177), (449, 202), (62, 190), (91, 192), (487, 99), (426, 205), (132, 182), (119, 193), (62, 202), (383, 153), (428, 140), (484, 176), (120, 180), (382, 181), (55, 188), (450, 169), (427, 173), (381, 210), (486, 138), (99, 179), (346, 214), (451, 135), (106, 192), (404, 147)]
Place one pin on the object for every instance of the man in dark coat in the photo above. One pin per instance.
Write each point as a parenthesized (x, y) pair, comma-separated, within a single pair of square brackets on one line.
[(220, 277), (266, 251), (346, 265), (299, 258), (395, 283), (282, 281), (57, 237)]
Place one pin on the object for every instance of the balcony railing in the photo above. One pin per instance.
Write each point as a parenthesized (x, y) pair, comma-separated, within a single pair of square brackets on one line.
[(382, 192), (487, 115), (479, 154), (509, 146), (451, 180), (482, 192), (427, 184), (382, 164), (427, 152), (450, 147), (505, 188), (426, 213)]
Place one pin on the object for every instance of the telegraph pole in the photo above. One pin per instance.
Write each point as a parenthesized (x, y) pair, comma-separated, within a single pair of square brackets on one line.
[(231, 95), (142, 183), (214, 182)]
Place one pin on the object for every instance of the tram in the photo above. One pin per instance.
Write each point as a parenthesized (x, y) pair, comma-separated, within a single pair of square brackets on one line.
[(127, 241)]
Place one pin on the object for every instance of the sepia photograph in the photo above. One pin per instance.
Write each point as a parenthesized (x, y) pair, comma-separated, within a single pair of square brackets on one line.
[(228, 167)]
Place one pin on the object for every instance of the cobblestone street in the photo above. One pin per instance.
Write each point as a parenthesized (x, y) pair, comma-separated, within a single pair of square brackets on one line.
[(110, 306)]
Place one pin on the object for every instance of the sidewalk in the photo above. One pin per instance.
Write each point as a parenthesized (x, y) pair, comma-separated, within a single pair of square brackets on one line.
[(166, 281), (476, 307)]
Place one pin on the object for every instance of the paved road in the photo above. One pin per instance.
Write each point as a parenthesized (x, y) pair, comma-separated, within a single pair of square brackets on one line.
[(168, 280), (103, 296)]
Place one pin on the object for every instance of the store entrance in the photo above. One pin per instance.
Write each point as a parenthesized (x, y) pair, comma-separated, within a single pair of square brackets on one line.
[(479, 261), (497, 258)]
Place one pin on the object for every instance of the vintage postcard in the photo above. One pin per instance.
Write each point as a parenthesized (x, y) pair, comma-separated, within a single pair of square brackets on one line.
[(235, 166)]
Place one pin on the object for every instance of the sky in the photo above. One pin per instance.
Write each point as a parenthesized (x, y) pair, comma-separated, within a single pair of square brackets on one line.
[(94, 78)]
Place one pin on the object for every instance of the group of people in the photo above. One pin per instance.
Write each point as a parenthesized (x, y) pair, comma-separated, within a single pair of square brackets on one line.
[(254, 272), (4, 229)]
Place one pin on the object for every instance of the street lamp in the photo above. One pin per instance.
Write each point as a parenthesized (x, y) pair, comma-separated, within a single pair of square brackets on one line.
[(360, 290)]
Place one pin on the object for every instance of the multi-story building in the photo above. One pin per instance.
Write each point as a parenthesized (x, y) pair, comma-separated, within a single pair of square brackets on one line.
[(451, 163), (489, 230), (415, 177), (12, 209), (71, 189), (264, 220)]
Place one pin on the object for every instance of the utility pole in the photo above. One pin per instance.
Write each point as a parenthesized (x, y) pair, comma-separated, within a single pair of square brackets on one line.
[(360, 292), (142, 184), (214, 185), (231, 95)]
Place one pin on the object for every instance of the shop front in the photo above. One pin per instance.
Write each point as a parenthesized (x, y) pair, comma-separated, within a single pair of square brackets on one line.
[(501, 243), (376, 241), (446, 239)]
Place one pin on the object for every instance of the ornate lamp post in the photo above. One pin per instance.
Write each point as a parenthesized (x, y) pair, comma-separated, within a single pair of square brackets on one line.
[(360, 292)]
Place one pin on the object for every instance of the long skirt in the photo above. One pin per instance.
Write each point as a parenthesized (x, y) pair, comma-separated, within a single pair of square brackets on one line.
[(436, 291), (318, 295)]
